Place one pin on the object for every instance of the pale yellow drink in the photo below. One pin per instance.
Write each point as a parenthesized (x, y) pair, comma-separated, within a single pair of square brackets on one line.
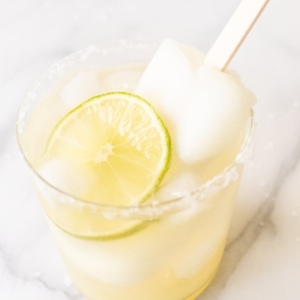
[(167, 248)]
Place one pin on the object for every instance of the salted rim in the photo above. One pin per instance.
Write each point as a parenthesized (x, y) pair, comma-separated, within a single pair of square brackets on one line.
[(151, 209)]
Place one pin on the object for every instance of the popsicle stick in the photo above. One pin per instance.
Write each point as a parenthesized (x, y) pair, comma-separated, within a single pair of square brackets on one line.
[(234, 33)]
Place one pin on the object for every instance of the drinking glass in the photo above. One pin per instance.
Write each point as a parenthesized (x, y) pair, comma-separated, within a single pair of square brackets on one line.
[(162, 250)]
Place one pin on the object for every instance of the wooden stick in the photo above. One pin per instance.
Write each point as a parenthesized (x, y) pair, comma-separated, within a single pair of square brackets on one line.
[(234, 33)]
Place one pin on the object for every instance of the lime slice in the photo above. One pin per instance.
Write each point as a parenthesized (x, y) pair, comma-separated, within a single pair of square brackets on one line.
[(122, 144)]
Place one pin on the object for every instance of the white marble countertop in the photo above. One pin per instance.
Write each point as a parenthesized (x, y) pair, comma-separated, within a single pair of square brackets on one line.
[(262, 259)]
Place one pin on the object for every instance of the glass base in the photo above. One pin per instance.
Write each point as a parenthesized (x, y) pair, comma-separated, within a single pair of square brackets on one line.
[(198, 292)]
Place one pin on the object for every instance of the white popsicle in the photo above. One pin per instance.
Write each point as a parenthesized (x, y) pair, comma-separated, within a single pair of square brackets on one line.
[(168, 77), (204, 108), (207, 110), (215, 116)]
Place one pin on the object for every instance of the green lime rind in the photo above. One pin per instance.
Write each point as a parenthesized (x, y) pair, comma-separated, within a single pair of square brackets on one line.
[(107, 237)]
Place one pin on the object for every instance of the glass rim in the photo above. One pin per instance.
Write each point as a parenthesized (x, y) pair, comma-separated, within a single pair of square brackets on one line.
[(209, 187)]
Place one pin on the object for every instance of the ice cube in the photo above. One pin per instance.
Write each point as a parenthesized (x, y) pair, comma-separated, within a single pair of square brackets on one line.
[(80, 87), (121, 80), (66, 176), (117, 262), (109, 265), (196, 255)]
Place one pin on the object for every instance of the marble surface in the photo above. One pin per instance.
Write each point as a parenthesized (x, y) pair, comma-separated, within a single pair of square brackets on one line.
[(262, 258)]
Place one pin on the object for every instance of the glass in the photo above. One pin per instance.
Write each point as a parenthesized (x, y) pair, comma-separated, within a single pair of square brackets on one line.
[(162, 250)]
